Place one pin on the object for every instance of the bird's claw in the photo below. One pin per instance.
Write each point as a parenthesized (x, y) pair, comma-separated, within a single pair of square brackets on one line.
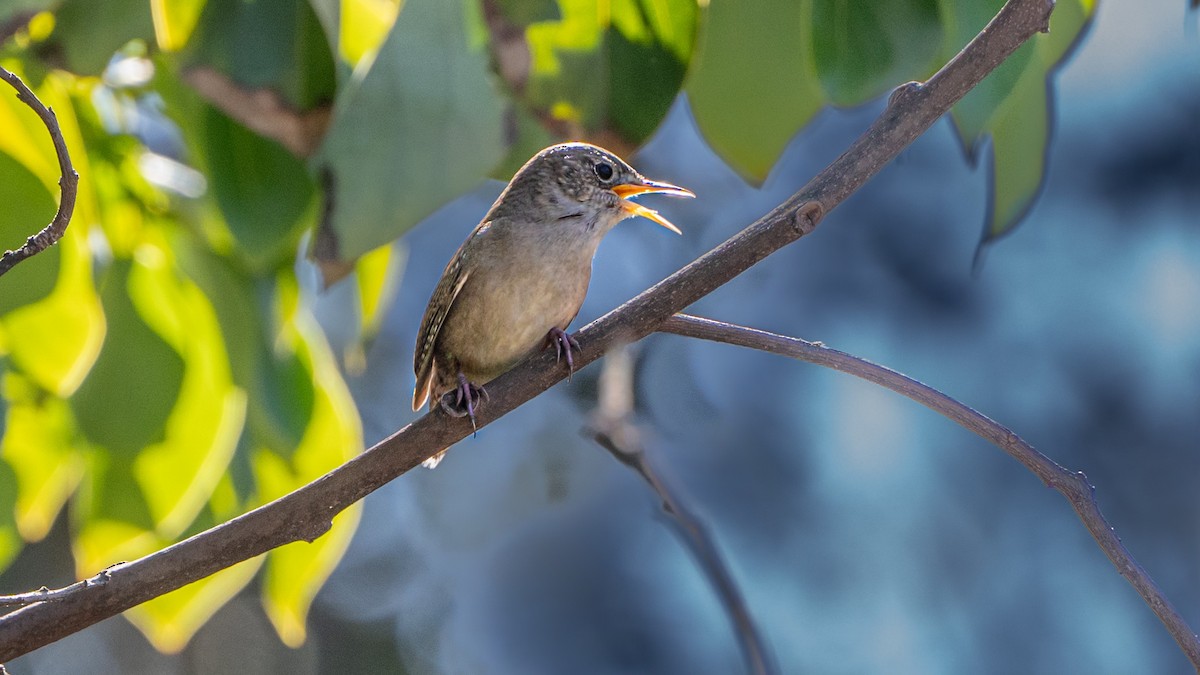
[(563, 342), (468, 396)]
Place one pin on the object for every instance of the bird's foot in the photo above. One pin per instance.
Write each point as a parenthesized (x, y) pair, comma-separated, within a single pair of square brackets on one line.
[(464, 400), (563, 343)]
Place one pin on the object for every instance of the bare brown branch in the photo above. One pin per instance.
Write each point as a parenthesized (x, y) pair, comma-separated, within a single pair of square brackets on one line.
[(306, 513), (1072, 484), (613, 428), (68, 183)]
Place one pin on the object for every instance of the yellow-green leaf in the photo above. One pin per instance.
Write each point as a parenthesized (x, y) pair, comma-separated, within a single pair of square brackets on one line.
[(169, 621), (39, 446), (295, 572), (53, 341), (174, 21), (178, 474), (356, 27)]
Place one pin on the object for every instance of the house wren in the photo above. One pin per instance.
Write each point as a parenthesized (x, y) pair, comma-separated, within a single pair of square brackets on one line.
[(519, 280)]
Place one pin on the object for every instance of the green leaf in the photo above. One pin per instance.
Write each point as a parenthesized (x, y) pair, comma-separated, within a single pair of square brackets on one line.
[(276, 45), (864, 49), (169, 621), (750, 102), (295, 572), (356, 27), (55, 340), (87, 38), (443, 130), (279, 387), (124, 402), (39, 444), (649, 47), (263, 191), (178, 474), (10, 9), (28, 207), (10, 539), (1012, 106), (174, 21), (609, 71), (525, 12)]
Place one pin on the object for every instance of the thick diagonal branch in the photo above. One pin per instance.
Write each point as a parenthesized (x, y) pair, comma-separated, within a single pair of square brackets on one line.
[(306, 513)]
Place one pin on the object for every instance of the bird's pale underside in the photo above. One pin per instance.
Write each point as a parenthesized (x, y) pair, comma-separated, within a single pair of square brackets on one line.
[(520, 278)]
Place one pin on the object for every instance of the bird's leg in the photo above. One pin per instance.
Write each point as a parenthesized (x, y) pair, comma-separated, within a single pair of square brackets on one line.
[(563, 343), (467, 398)]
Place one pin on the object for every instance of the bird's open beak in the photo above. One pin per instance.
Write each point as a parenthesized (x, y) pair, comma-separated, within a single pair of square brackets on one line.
[(647, 186)]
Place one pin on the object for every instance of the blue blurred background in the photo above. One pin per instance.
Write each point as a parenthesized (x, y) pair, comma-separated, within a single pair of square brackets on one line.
[(867, 533)]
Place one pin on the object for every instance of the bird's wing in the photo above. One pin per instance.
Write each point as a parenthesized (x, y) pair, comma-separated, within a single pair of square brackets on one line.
[(452, 281)]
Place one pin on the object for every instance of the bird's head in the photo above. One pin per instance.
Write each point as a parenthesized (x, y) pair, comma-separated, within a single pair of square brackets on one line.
[(579, 181)]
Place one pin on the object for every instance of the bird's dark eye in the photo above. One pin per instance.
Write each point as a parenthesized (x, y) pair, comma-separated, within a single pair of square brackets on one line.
[(604, 170)]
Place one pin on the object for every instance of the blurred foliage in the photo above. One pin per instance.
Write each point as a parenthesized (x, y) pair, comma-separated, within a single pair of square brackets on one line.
[(161, 369)]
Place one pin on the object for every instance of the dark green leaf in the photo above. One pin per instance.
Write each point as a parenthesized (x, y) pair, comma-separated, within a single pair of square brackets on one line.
[(276, 45), (262, 190), (125, 400), (864, 49), (87, 35), (525, 12), (28, 207)]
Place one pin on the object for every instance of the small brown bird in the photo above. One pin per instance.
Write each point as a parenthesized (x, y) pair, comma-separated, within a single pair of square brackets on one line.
[(519, 280)]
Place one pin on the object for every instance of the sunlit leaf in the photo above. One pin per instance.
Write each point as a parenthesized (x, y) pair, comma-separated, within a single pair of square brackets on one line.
[(279, 386), (295, 572), (174, 21), (864, 49), (38, 445), (55, 340), (147, 486), (378, 278), (443, 131), (177, 475), (169, 621), (356, 28), (608, 71), (750, 102)]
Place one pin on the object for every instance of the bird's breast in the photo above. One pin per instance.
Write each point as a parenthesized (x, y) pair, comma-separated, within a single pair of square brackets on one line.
[(509, 303)]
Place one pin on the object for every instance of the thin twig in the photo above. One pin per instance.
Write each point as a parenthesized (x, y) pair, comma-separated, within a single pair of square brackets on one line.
[(613, 428), (68, 184), (1073, 485), (306, 513)]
